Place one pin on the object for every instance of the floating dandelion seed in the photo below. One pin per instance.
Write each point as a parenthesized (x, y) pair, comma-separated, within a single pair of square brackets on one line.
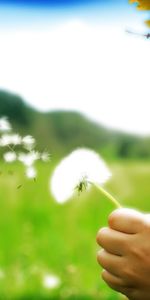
[(19, 186), (10, 139), (10, 157), (51, 281), (78, 171), (45, 156), (28, 156), (15, 139), (28, 142), (5, 140), (31, 172)]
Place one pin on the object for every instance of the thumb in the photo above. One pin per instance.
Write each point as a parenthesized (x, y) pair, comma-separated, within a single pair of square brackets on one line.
[(126, 220)]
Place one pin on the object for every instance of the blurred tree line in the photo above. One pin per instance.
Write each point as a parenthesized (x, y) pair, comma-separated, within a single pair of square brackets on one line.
[(59, 132)]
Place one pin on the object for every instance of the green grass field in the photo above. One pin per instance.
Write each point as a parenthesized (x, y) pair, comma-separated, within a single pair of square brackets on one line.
[(39, 236)]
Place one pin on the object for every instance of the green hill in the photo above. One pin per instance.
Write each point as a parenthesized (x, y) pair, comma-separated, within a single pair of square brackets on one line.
[(61, 131)]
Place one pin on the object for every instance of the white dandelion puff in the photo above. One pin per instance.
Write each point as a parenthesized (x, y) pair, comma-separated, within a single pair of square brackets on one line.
[(10, 156), (51, 281), (35, 155), (80, 164), (45, 156), (5, 140), (31, 172), (28, 158), (15, 139), (4, 125), (10, 139), (28, 142)]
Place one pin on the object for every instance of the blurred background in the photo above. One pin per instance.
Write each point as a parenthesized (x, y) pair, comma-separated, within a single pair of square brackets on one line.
[(72, 76)]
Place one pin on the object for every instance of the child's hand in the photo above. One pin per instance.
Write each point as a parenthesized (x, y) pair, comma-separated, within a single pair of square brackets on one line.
[(125, 256)]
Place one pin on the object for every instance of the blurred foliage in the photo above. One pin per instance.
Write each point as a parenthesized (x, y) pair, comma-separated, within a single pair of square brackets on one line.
[(15, 109), (142, 5), (62, 131)]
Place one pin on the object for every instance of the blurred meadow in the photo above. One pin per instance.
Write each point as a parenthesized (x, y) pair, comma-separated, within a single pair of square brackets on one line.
[(40, 238), (48, 250)]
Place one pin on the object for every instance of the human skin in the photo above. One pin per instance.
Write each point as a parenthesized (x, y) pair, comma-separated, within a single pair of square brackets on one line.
[(125, 253)]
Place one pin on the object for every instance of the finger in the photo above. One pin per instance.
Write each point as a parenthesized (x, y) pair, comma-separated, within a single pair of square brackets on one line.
[(126, 220), (112, 279), (116, 284), (111, 263), (112, 241)]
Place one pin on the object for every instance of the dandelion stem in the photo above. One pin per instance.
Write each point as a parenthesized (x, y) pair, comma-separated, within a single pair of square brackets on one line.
[(107, 195)]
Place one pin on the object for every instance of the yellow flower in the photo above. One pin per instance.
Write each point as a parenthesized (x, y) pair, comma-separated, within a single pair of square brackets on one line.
[(141, 4)]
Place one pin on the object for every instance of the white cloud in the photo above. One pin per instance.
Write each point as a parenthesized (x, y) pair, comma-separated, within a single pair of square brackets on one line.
[(95, 68)]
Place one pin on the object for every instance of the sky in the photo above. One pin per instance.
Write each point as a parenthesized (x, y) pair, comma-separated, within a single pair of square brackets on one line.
[(77, 55)]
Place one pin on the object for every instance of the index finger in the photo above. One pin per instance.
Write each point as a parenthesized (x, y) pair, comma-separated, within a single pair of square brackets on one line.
[(112, 241)]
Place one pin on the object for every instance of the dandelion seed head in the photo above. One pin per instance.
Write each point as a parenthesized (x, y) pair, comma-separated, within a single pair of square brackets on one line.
[(81, 163), (51, 281), (10, 156)]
